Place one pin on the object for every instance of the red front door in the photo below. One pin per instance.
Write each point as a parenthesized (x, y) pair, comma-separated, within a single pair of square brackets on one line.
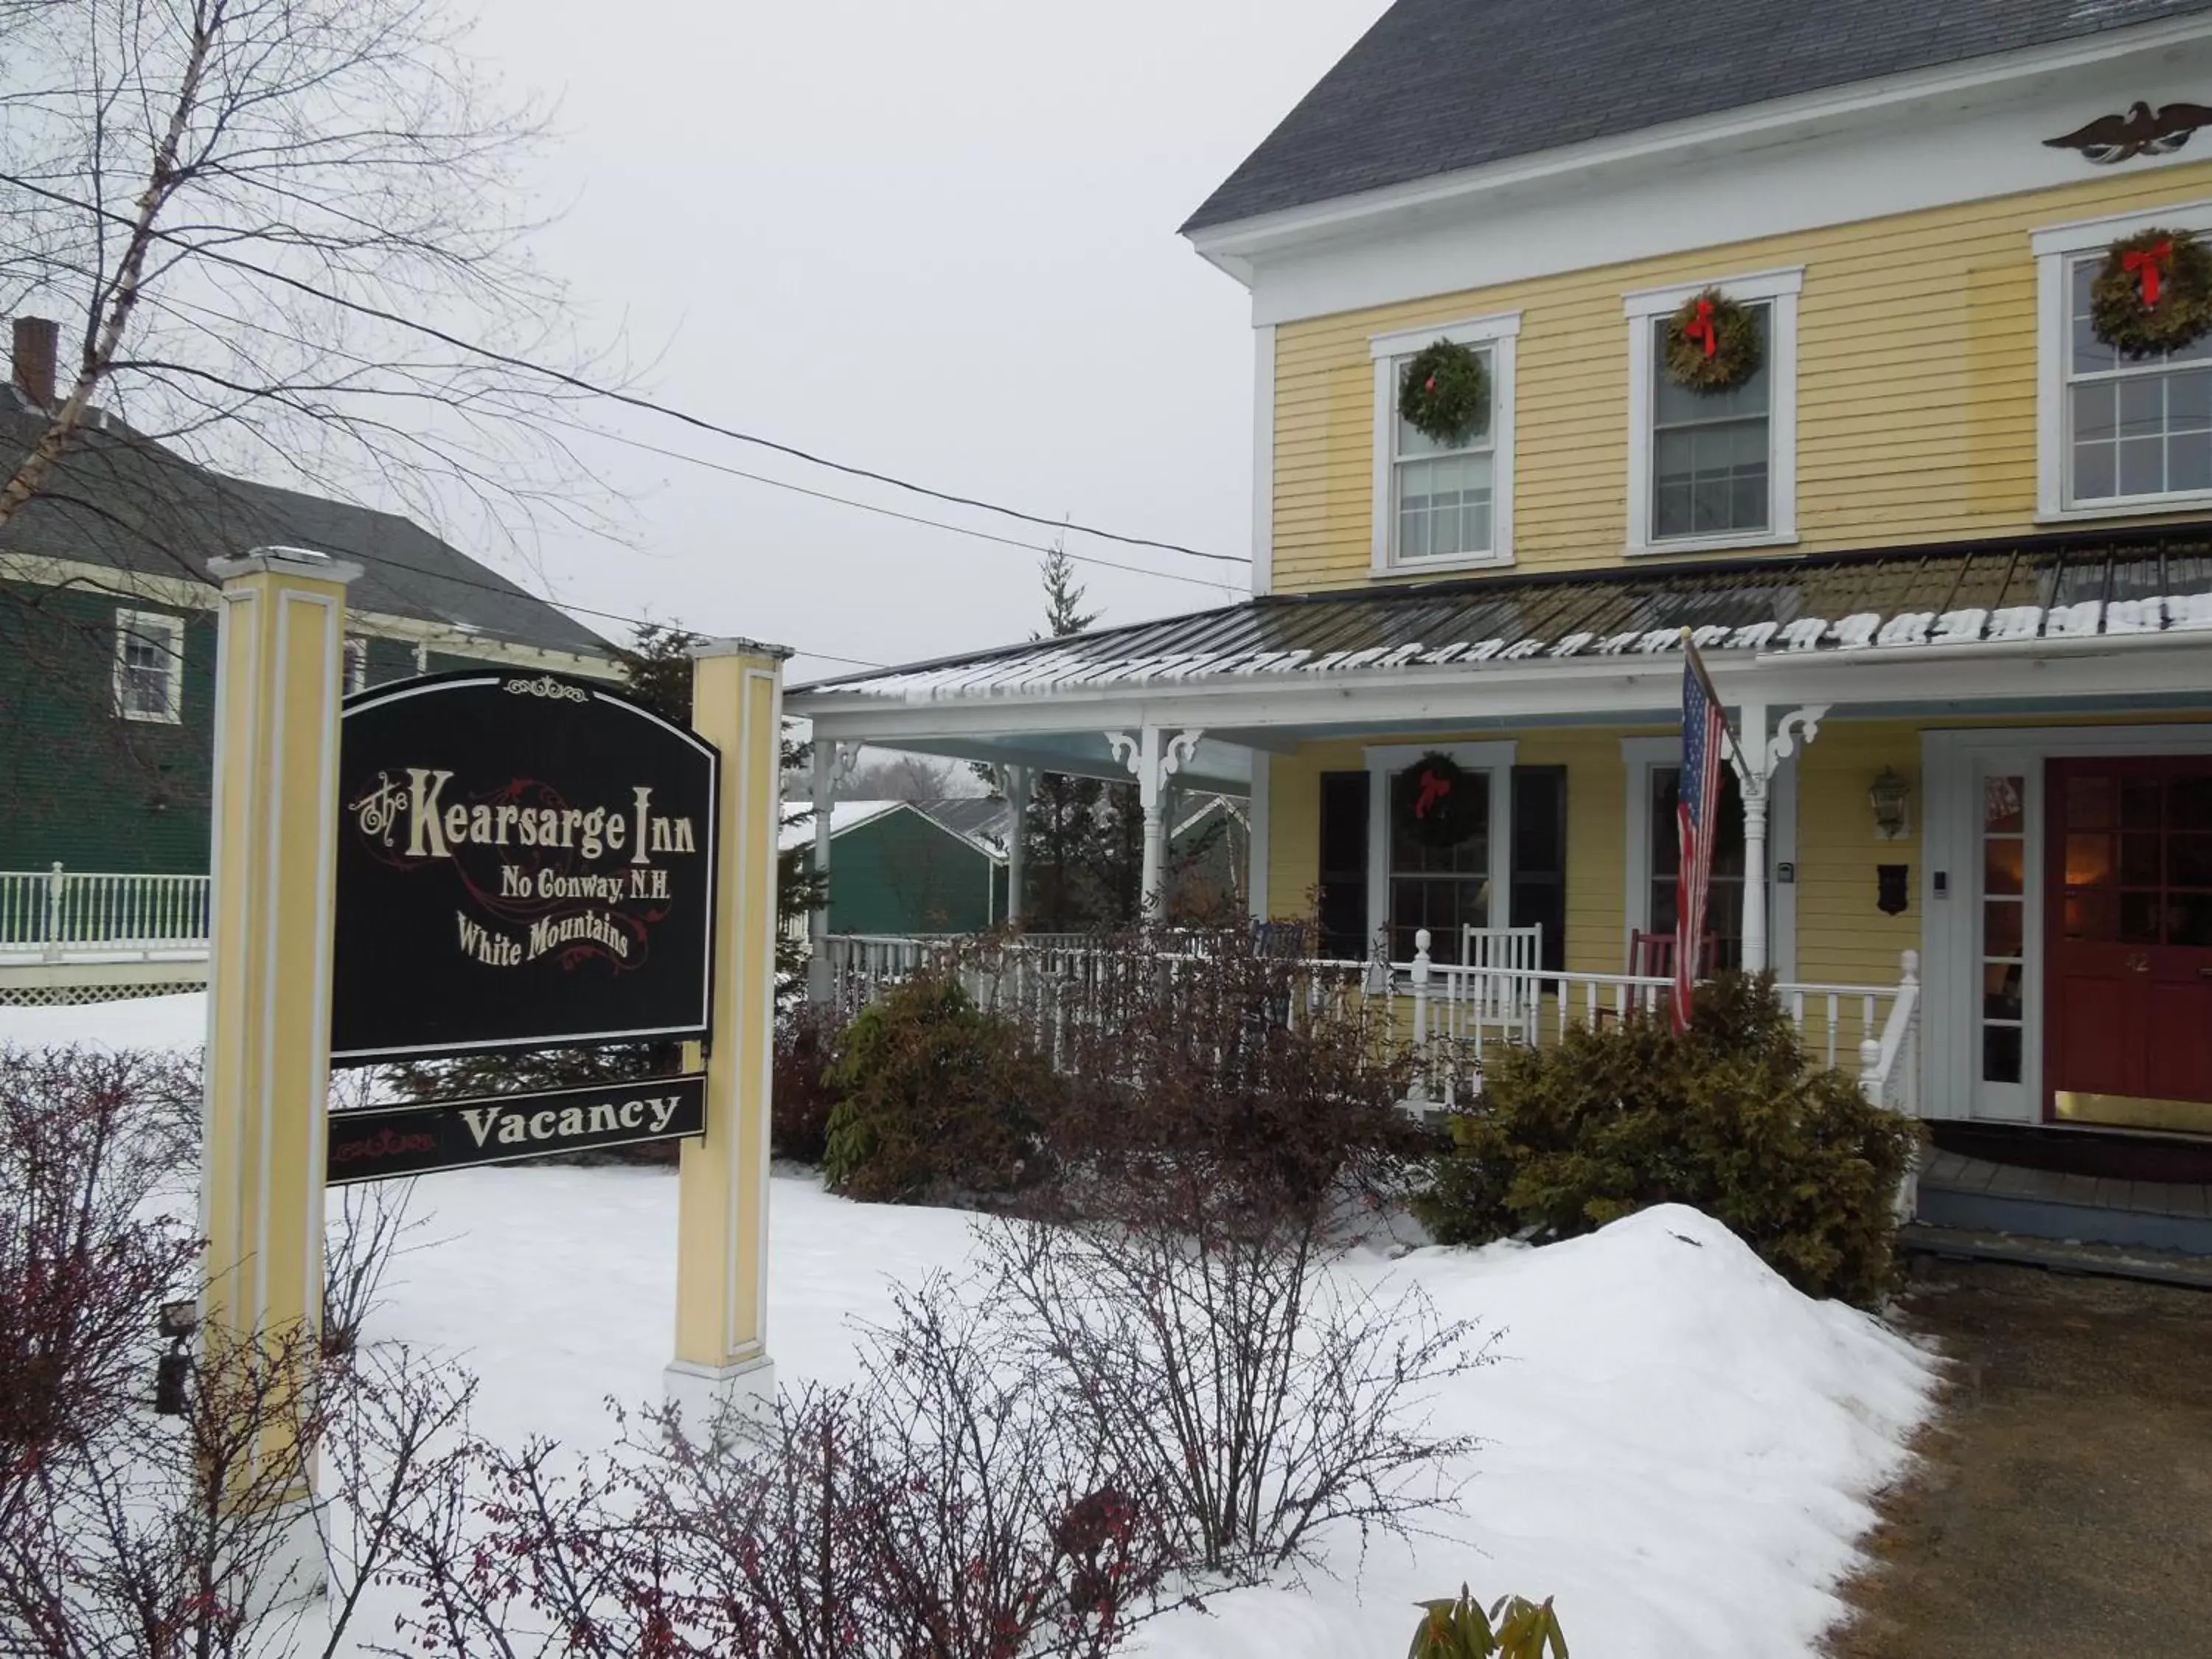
[(2128, 996)]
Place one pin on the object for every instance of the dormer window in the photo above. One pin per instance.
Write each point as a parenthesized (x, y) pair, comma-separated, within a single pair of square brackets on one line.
[(1445, 505), (1711, 469)]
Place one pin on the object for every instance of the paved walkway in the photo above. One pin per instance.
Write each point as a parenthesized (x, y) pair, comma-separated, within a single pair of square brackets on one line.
[(2066, 1503)]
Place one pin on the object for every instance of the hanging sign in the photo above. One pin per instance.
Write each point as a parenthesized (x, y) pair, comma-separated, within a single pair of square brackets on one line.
[(381, 1143), (523, 860)]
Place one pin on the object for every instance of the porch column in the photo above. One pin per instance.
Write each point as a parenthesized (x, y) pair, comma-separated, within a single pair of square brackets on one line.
[(832, 761), (1015, 783), (1755, 755), (1154, 755)]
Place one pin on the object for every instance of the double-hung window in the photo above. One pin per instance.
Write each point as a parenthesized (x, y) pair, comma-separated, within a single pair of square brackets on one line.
[(1445, 505), (149, 666), (1713, 469), (2116, 436)]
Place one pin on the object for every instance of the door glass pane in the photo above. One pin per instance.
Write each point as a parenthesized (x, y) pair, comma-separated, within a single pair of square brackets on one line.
[(2089, 803), (2003, 810), (2139, 860), (2189, 804), (2004, 864), (2190, 921), (2139, 803), (2088, 860), (2190, 858), (2089, 916), (2001, 1054), (2001, 990), (2139, 918), (2001, 927)]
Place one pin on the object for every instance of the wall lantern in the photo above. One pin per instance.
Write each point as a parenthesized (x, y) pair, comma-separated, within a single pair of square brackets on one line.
[(1890, 796)]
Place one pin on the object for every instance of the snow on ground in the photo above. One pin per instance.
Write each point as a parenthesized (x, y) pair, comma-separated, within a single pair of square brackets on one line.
[(1679, 1446)]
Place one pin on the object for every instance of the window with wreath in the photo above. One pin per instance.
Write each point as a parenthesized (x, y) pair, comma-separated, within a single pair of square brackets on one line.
[(2136, 430), (149, 666), (1441, 886), (1712, 451), (1443, 492)]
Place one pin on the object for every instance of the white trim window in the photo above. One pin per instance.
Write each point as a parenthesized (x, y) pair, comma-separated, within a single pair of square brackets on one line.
[(1411, 886), (1440, 507), (1713, 469), (149, 666), (2114, 436)]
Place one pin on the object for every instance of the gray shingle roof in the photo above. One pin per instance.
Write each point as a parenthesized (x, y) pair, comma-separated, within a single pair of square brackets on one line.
[(1439, 85), (2153, 580), (120, 500)]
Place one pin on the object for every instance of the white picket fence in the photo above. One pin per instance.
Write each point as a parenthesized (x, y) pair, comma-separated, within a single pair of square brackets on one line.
[(1459, 1015), (57, 914)]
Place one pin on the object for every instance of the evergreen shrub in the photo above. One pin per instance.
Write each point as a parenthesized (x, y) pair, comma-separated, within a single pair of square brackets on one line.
[(1726, 1117), (936, 1099)]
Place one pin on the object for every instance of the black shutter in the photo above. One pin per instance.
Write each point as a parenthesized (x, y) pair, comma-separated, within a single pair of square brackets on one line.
[(1539, 857), (1344, 866)]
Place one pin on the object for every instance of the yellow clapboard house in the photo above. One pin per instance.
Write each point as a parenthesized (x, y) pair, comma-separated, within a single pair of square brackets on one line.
[(1946, 550)]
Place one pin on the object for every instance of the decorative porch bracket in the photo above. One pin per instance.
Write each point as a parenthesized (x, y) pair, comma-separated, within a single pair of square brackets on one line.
[(1754, 772), (1155, 755), (1017, 784), (833, 764)]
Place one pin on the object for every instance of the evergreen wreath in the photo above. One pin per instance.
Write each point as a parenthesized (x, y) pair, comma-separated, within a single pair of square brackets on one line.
[(2154, 293), (1712, 342), (1436, 804), (1444, 393)]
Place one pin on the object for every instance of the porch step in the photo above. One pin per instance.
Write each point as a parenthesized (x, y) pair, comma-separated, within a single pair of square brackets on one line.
[(2101, 1260), (1974, 1195)]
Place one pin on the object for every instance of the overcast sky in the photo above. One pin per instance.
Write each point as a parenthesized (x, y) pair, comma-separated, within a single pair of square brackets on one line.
[(938, 240)]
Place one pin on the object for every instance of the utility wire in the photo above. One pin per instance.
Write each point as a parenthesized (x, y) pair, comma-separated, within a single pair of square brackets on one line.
[(631, 400), (910, 517)]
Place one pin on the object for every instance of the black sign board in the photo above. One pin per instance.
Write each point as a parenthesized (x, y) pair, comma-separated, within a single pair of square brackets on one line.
[(380, 1143), (523, 860)]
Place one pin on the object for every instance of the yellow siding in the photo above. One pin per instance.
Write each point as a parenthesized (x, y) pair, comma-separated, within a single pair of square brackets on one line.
[(1916, 354), (1841, 936)]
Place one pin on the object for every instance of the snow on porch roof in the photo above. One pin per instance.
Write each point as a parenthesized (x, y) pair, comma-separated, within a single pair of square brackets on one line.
[(2048, 587)]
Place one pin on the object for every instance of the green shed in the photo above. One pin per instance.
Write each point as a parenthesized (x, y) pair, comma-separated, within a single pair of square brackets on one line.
[(904, 867)]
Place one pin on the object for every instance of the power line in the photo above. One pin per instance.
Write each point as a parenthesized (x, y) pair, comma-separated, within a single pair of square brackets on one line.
[(909, 518), (577, 382)]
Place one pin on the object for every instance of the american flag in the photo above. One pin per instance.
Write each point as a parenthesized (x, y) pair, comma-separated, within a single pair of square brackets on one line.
[(1704, 736)]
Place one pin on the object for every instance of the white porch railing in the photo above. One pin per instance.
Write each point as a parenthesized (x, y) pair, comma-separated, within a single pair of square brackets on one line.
[(1459, 1014), (62, 916)]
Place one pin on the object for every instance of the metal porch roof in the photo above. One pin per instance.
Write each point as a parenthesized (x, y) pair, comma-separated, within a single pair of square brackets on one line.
[(2046, 587)]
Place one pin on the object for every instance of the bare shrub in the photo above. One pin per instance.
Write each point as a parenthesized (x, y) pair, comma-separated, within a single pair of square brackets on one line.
[(370, 1228), (87, 1143), (178, 1536), (1260, 1395), (808, 1039)]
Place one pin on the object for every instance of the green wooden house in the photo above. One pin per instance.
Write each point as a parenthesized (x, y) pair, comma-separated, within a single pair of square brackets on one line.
[(908, 867), (107, 633)]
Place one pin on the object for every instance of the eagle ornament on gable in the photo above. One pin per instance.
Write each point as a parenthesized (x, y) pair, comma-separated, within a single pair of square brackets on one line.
[(2141, 132)]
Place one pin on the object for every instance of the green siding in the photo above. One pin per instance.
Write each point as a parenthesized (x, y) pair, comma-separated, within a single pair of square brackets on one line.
[(79, 783), (900, 873)]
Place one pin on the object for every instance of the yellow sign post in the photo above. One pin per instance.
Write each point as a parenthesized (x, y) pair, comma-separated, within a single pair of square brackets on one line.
[(721, 1361), (279, 678)]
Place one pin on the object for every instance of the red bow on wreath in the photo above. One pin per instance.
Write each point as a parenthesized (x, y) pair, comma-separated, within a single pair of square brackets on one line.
[(1701, 328), (2146, 263), (1429, 385), (1433, 789)]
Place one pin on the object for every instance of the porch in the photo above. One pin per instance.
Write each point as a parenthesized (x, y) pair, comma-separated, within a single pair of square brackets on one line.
[(1997, 756)]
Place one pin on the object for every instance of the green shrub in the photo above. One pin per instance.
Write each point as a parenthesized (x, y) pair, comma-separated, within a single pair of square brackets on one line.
[(935, 1099), (1726, 1117), (1514, 1628)]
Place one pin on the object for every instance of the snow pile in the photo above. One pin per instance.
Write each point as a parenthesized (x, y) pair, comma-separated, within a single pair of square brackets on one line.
[(1680, 1447)]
